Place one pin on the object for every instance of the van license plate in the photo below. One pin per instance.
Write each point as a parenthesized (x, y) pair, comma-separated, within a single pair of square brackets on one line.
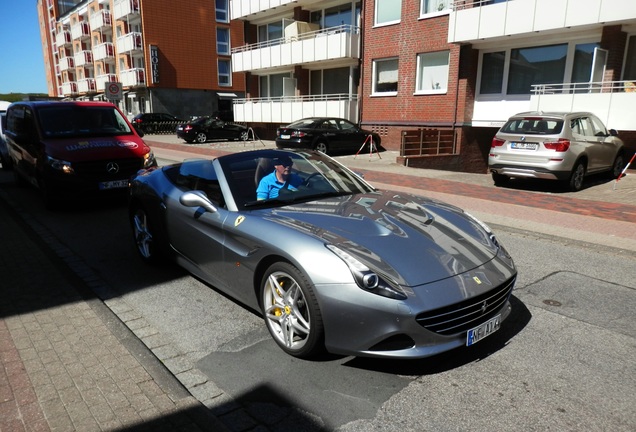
[(486, 329), (115, 184)]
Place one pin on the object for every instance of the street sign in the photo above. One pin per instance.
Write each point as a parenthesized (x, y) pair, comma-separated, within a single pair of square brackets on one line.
[(112, 91)]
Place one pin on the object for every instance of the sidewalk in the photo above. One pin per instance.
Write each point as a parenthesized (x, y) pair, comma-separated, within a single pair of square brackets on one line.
[(66, 361)]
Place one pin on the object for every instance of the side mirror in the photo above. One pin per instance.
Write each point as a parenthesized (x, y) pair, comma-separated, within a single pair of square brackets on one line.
[(197, 199), (613, 132), (138, 130)]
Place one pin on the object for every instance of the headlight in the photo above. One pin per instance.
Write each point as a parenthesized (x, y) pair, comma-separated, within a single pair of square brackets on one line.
[(366, 278), (149, 160), (60, 165)]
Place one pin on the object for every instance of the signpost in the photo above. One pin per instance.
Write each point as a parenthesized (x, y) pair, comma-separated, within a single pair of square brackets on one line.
[(113, 91)]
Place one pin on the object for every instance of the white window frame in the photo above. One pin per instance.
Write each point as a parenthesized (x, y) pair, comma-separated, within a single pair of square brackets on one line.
[(385, 23), (448, 7), (220, 44), (225, 11), (421, 57), (375, 77), (229, 74)]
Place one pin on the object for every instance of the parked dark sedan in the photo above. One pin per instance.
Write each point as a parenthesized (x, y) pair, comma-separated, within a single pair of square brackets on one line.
[(326, 134), (203, 129), (155, 122)]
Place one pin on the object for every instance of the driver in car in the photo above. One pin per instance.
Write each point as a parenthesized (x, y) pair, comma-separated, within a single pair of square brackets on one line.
[(280, 178)]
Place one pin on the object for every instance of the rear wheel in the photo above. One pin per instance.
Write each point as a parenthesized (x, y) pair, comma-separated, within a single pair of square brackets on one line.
[(576, 178), (322, 147), (500, 179), (291, 311), (201, 137)]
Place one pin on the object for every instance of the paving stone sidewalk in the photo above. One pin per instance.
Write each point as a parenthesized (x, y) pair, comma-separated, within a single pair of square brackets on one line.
[(66, 361)]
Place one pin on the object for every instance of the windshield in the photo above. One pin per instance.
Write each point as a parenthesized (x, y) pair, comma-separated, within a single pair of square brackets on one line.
[(304, 176), (533, 126), (81, 121)]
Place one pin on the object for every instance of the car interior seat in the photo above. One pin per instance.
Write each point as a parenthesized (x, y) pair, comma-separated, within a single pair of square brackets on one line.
[(264, 167)]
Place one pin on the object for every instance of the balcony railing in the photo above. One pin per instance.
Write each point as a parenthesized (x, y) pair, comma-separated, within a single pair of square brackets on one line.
[(129, 42), (66, 63), (80, 30), (245, 8), (104, 51), (133, 77), (612, 101), (87, 85), (341, 42), (63, 38), (101, 81), (69, 88), (125, 8), (101, 20), (288, 109), (83, 58), (475, 20)]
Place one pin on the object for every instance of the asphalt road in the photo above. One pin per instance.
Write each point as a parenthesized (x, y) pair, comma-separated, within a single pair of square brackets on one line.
[(564, 361)]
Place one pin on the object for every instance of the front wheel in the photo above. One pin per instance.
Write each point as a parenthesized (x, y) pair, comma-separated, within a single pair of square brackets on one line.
[(143, 234), (617, 167), (576, 178), (291, 311)]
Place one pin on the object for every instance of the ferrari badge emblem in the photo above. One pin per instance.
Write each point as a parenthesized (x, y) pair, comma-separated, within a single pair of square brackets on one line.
[(476, 279), (239, 220)]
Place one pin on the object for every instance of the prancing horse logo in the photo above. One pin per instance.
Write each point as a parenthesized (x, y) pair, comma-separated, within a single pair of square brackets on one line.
[(112, 168)]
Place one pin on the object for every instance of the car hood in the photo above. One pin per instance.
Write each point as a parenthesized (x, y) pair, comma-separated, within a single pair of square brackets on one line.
[(411, 239), (97, 148)]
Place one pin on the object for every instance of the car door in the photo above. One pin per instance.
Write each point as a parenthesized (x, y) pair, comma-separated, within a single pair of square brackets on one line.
[(352, 136), (604, 146)]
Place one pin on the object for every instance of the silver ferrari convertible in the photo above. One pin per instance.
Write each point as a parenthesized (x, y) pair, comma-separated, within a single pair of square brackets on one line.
[(332, 263)]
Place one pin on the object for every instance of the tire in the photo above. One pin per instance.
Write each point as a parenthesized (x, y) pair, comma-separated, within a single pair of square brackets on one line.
[(617, 167), (244, 136), (201, 137), (322, 147), (291, 311), (149, 129), (143, 235), (500, 179), (575, 183)]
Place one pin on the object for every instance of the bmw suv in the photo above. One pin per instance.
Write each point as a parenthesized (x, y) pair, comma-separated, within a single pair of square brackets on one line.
[(557, 146)]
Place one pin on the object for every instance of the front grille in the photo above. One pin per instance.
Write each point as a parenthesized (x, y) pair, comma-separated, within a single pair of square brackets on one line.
[(98, 170), (467, 314)]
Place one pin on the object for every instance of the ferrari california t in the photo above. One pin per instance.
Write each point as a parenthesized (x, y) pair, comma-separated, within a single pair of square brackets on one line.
[(332, 263)]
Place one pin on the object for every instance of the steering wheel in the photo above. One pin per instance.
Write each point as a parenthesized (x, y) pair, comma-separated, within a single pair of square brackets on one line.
[(306, 182)]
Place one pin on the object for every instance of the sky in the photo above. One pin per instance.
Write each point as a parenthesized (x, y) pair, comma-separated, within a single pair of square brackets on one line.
[(21, 58)]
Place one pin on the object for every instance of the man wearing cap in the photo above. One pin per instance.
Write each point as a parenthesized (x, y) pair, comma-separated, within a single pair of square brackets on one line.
[(280, 178)]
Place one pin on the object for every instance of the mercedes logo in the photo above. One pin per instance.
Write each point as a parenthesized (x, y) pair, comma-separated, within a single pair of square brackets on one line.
[(112, 168)]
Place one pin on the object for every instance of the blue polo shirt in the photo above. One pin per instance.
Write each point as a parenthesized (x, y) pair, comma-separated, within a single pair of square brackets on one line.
[(269, 185)]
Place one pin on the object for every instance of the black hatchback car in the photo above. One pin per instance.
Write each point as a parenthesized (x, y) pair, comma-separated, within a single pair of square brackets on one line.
[(326, 134), (150, 123), (203, 129)]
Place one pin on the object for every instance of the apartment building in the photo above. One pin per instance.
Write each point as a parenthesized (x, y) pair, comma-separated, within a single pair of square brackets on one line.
[(440, 77), (167, 56), (301, 59)]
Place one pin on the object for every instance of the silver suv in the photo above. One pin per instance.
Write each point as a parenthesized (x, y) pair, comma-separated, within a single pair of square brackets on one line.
[(556, 146)]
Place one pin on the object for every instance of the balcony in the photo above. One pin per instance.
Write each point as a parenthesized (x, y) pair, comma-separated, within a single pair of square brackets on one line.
[(472, 21), (104, 51), (613, 101), (129, 43), (133, 77), (101, 80), (125, 9), (285, 110), (63, 38), (69, 88), (335, 43), (101, 20), (251, 9), (80, 30), (87, 85), (83, 59), (67, 63)]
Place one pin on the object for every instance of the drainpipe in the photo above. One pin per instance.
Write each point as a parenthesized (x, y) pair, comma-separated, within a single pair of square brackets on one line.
[(361, 61)]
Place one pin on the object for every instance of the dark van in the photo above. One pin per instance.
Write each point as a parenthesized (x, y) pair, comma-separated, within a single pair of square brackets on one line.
[(73, 148)]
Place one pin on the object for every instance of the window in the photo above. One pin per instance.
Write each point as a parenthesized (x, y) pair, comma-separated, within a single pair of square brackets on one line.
[(434, 7), (432, 72), (629, 73), (222, 8), (273, 85), (330, 81), (336, 16), (225, 73), (223, 40), (385, 76), (536, 65), (273, 31), (492, 72), (387, 12)]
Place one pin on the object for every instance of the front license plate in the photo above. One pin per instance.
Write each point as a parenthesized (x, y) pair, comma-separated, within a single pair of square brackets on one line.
[(524, 145), (115, 184), (486, 329), (285, 137)]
